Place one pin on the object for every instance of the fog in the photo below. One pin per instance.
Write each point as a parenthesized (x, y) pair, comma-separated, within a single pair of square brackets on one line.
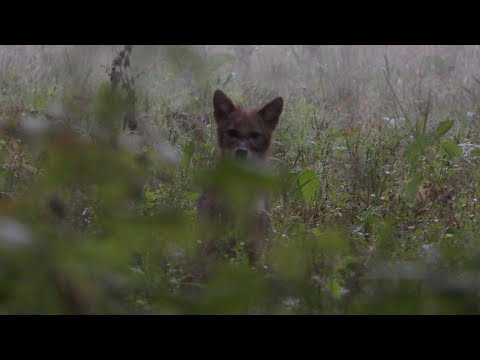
[(347, 76)]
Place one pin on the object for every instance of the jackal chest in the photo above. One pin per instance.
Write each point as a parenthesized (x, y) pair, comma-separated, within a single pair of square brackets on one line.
[(215, 205)]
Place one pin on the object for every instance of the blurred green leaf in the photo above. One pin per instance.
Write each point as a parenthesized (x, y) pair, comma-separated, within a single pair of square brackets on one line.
[(451, 149), (421, 125), (289, 261), (193, 196), (309, 185), (416, 148), (329, 242), (336, 289), (475, 152), (150, 196), (412, 186), (442, 128)]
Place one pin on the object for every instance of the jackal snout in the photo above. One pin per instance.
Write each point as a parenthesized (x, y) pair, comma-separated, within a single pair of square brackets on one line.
[(241, 153)]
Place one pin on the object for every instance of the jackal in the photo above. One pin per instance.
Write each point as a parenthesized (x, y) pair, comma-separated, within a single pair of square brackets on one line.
[(244, 136)]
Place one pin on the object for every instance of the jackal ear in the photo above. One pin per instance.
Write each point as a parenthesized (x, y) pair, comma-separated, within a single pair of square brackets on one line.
[(271, 112), (222, 105)]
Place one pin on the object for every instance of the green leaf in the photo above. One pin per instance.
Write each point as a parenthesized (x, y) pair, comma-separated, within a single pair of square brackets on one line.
[(150, 196), (416, 148), (328, 242), (475, 152), (452, 149), (188, 151), (412, 186), (194, 196), (443, 128), (336, 289), (309, 185), (421, 124), (289, 261)]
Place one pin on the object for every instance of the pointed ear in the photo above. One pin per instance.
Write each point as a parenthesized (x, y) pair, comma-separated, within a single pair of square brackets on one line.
[(222, 105), (271, 112)]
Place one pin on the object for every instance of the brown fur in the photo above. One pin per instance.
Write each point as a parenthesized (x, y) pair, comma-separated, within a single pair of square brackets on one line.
[(246, 135)]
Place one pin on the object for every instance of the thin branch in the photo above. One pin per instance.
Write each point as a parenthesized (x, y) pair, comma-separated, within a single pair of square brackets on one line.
[(398, 101)]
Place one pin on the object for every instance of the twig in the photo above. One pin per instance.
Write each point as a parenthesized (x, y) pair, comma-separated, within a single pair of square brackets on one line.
[(398, 101)]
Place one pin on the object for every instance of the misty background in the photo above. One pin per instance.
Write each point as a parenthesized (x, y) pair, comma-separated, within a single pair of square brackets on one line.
[(445, 77)]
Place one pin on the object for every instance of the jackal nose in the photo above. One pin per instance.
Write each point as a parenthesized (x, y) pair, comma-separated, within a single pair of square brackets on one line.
[(241, 153)]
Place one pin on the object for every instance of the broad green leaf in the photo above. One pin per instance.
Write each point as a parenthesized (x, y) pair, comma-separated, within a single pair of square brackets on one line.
[(309, 185), (194, 196), (329, 242), (289, 261), (452, 149), (475, 152), (412, 186), (443, 128), (150, 195), (336, 289), (417, 147), (188, 151)]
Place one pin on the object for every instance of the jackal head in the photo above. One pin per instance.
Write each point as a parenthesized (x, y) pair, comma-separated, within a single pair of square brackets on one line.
[(245, 134)]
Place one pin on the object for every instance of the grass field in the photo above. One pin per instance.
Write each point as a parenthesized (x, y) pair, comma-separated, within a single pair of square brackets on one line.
[(374, 180)]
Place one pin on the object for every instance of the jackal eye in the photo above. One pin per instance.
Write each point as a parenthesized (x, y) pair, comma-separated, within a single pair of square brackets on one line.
[(232, 133)]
